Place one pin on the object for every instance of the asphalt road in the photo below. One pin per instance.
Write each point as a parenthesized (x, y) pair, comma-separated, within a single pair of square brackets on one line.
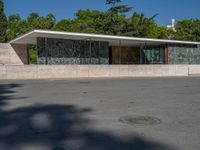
[(100, 114)]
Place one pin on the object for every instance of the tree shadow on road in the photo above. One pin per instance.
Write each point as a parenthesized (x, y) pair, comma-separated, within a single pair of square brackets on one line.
[(60, 127), (7, 92)]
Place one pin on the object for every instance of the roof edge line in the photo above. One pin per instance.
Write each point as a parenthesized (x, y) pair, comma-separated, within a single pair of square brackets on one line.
[(91, 35), (22, 36), (118, 37)]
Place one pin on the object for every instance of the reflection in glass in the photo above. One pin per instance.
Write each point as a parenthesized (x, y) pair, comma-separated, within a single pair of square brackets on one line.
[(153, 55)]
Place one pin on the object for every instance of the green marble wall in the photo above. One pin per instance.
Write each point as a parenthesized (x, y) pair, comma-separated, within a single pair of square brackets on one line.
[(183, 54)]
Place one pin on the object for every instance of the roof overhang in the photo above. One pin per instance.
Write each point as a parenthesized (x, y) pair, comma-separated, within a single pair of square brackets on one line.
[(31, 38)]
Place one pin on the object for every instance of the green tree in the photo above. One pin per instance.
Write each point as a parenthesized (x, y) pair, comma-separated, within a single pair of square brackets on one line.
[(94, 21), (13, 26), (3, 23), (36, 22), (87, 21), (188, 30), (138, 25), (117, 8), (17, 26), (33, 55), (159, 33), (51, 19), (115, 11), (64, 25), (32, 16)]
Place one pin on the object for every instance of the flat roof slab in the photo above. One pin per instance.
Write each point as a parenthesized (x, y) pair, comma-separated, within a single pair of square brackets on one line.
[(31, 38)]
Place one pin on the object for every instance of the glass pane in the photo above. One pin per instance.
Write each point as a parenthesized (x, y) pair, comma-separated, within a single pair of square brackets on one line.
[(153, 55)]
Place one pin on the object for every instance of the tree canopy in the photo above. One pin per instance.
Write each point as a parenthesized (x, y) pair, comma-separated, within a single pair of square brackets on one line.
[(114, 21), (17, 26), (101, 22), (188, 30), (117, 8), (3, 23)]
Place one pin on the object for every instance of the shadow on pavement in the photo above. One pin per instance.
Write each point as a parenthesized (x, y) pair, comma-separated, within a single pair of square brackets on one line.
[(7, 92), (59, 127)]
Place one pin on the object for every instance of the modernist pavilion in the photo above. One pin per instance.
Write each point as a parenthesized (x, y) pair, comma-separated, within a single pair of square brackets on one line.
[(78, 48)]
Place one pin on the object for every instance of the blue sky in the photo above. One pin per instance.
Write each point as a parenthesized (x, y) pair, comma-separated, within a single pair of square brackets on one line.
[(168, 9)]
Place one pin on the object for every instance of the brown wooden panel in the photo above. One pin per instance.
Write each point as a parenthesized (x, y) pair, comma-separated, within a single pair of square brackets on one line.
[(125, 55), (116, 55)]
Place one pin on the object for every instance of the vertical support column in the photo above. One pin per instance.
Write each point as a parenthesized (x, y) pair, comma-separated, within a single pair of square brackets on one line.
[(90, 49), (145, 57), (120, 46), (166, 54), (28, 55), (141, 54), (46, 51), (84, 56), (99, 52)]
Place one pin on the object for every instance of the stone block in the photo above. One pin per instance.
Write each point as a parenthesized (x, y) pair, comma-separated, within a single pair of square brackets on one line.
[(182, 70), (51, 71), (4, 59), (83, 71), (21, 72), (2, 72), (19, 53), (58, 71), (114, 70), (172, 70), (133, 70), (71, 71), (14, 59), (44, 71), (10, 55), (160, 70), (194, 70), (124, 70), (99, 71), (144, 71)]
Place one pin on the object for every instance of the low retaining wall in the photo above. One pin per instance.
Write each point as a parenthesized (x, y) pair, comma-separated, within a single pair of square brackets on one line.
[(79, 71)]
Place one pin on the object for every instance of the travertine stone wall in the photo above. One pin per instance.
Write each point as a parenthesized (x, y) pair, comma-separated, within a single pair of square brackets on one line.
[(4, 53), (60, 51), (21, 51), (13, 54), (80, 71), (183, 54)]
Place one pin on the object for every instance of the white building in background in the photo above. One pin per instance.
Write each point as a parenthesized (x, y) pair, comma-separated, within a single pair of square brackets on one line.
[(172, 26)]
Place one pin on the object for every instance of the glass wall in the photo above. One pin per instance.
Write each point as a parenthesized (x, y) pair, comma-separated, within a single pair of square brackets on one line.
[(153, 55), (60, 51)]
